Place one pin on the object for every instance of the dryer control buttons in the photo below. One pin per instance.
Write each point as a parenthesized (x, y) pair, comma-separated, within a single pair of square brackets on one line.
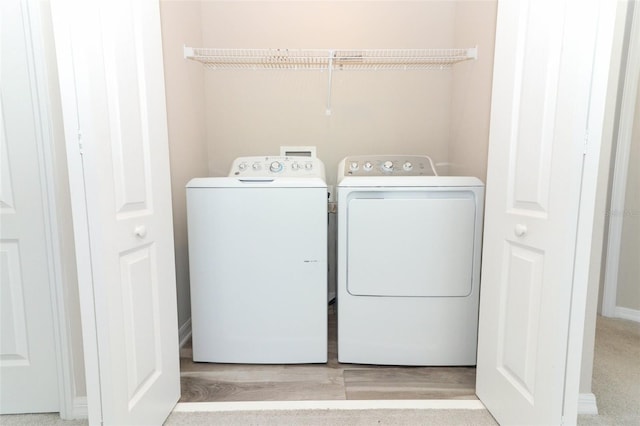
[(256, 166), (295, 166), (275, 167), (308, 165), (242, 166), (387, 165)]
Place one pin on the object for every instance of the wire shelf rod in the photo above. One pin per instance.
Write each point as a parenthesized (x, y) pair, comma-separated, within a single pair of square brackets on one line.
[(329, 59)]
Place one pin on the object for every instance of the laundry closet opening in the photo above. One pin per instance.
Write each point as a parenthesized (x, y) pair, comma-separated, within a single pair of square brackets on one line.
[(218, 115)]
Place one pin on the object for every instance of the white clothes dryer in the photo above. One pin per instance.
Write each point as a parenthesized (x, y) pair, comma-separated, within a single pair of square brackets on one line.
[(409, 246), (258, 262)]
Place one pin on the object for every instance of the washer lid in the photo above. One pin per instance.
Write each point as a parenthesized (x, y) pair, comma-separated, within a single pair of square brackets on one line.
[(264, 182)]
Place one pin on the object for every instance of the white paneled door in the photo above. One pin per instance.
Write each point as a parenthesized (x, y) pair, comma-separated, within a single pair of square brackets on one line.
[(113, 99), (28, 369), (542, 88)]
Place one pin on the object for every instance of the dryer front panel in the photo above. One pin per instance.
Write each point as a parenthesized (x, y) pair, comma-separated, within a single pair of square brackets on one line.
[(415, 244)]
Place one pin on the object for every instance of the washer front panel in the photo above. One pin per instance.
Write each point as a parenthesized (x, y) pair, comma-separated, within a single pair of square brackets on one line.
[(258, 267)]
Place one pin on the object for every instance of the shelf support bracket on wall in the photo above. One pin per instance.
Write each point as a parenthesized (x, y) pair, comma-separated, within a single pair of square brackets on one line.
[(329, 83)]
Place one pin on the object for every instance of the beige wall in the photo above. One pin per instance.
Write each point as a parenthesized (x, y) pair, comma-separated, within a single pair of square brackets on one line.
[(216, 116), (475, 23), (629, 269), (378, 112), (184, 84)]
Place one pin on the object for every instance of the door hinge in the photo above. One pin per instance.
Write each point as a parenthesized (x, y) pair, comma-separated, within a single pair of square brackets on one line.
[(585, 145), (80, 146)]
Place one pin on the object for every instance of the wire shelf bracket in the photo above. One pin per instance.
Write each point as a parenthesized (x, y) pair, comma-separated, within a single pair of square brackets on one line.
[(329, 60)]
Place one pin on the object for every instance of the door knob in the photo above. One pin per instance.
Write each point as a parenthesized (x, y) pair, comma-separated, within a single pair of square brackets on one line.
[(140, 231), (520, 230)]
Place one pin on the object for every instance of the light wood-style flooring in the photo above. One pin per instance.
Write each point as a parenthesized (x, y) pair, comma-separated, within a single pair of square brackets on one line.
[(208, 382)]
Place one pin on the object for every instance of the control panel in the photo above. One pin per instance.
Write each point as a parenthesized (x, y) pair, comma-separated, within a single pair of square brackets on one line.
[(389, 165), (276, 166)]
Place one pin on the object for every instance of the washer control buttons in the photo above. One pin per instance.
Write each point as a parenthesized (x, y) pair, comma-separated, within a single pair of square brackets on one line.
[(368, 166), (407, 166), (276, 167), (281, 166), (353, 166), (387, 166)]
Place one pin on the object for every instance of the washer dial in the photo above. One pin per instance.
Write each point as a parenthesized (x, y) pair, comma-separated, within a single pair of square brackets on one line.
[(276, 167)]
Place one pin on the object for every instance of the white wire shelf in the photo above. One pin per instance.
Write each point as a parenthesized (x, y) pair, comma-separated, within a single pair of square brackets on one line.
[(318, 59), (329, 59)]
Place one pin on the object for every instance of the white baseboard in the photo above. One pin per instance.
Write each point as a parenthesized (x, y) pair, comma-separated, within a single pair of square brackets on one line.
[(587, 404), (433, 404), (185, 332), (627, 313), (80, 408)]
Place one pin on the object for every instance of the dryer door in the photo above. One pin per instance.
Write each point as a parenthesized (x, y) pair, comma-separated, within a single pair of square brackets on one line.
[(412, 244)]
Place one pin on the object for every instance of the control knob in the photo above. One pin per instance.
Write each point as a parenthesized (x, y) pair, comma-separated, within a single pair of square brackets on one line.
[(368, 166), (353, 166), (407, 166), (242, 166), (387, 166), (295, 166), (308, 166), (276, 167)]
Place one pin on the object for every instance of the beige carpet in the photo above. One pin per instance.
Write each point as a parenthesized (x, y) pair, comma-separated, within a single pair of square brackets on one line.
[(616, 373)]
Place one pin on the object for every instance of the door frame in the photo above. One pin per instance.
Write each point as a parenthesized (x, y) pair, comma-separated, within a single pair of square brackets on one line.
[(40, 67), (581, 262), (619, 173), (596, 126)]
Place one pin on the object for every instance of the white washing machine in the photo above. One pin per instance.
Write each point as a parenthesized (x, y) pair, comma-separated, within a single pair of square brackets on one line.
[(409, 246), (258, 262)]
